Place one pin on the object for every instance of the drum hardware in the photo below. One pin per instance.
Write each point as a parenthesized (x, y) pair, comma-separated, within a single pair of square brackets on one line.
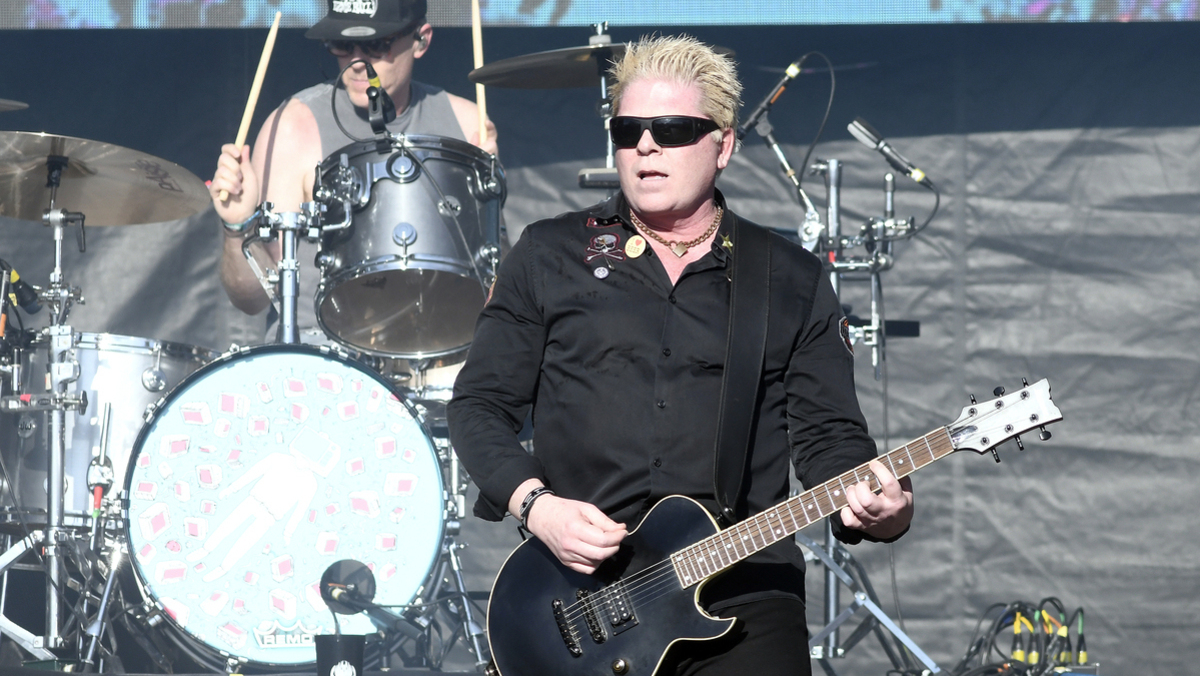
[(283, 286), (95, 630)]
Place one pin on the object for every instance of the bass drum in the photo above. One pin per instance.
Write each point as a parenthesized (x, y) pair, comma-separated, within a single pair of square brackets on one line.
[(410, 274), (258, 472), (119, 374)]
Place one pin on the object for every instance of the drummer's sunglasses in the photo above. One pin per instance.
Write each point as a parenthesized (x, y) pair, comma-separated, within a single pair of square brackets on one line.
[(667, 131), (371, 48)]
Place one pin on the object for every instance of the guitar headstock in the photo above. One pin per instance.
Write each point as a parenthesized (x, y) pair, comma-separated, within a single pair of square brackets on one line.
[(984, 425)]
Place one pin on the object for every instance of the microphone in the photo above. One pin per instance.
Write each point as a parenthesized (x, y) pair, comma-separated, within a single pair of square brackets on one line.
[(381, 105), (789, 74), (22, 294), (867, 135), (348, 588)]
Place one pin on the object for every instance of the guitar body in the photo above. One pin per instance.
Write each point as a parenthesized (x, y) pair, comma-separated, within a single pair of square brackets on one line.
[(524, 630)]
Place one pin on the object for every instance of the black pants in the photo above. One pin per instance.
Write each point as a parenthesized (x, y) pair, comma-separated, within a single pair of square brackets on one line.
[(769, 639)]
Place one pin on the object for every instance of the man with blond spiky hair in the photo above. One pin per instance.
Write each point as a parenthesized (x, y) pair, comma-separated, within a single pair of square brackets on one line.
[(612, 324)]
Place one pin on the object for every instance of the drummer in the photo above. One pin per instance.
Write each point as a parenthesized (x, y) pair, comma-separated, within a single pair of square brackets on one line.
[(303, 131)]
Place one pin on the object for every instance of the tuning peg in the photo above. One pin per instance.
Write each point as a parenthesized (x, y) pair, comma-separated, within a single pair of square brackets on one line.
[(1044, 435), (1020, 446), (994, 453), (999, 391), (1024, 382), (973, 399)]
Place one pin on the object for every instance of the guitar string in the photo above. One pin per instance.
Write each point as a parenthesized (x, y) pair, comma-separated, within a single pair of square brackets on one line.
[(657, 576), (656, 582)]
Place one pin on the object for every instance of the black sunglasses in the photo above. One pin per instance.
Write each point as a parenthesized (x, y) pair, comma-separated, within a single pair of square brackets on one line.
[(667, 131), (372, 48)]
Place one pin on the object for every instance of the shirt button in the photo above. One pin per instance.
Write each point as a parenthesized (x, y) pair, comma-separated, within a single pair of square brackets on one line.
[(658, 462), (666, 352), (660, 403)]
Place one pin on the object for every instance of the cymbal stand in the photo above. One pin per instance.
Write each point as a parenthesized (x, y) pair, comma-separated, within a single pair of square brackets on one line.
[(876, 237), (606, 177), (64, 370)]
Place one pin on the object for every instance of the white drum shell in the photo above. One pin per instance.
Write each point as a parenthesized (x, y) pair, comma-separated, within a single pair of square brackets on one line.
[(125, 372)]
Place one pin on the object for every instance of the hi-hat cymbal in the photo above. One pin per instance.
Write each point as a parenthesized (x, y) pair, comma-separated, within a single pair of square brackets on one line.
[(7, 105), (555, 69), (109, 184)]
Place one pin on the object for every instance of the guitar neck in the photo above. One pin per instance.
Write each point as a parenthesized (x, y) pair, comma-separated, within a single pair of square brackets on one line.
[(714, 554)]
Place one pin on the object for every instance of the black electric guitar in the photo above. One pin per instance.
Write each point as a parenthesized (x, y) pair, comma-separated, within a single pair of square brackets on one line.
[(545, 619)]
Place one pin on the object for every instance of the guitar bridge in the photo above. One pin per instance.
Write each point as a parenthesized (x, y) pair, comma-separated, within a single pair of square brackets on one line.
[(595, 627), (566, 630)]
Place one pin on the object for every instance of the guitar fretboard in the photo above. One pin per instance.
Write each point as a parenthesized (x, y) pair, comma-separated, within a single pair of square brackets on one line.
[(714, 554)]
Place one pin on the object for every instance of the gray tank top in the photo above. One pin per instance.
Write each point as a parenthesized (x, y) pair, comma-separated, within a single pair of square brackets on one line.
[(429, 112)]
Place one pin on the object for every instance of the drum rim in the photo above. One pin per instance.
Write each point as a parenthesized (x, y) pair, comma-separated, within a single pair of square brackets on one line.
[(161, 405), (116, 342), (419, 141)]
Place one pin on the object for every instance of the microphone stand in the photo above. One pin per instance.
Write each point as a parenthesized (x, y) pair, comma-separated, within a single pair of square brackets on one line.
[(810, 231), (876, 237)]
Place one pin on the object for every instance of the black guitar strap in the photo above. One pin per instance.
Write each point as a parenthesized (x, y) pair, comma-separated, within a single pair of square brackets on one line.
[(748, 305)]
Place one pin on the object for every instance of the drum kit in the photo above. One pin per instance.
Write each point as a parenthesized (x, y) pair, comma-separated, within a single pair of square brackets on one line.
[(196, 498)]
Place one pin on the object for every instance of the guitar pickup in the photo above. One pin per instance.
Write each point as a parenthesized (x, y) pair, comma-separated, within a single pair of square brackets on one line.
[(566, 630), (620, 609), (595, 627)]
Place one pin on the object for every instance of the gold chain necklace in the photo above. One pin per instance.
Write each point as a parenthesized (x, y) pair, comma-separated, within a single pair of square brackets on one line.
[(678, 248)]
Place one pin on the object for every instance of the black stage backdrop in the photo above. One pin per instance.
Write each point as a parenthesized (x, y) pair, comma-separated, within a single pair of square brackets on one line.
[(1065, 248)]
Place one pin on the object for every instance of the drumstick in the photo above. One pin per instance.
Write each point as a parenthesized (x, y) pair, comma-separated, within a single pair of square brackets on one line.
[(244, 128), (477, 42)]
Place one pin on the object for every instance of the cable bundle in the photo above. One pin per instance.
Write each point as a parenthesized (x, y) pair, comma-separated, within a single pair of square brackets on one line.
[(1041, 641)]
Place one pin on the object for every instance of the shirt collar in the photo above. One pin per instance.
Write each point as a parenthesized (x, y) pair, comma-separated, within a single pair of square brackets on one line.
[(616, 209)]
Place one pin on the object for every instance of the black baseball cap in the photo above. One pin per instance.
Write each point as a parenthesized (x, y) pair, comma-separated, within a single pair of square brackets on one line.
[(367, 19)]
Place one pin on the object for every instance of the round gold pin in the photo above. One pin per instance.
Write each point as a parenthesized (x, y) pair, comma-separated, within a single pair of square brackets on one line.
[(635, 246)]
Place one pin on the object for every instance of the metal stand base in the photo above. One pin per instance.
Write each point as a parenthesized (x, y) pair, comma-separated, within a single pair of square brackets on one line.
[(34, 645), (864, 597)]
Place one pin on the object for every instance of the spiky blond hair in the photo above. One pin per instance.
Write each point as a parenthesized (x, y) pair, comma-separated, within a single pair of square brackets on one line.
[(687, 61)]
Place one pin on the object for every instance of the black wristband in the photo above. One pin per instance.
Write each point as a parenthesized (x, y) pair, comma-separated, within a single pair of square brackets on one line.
[(527, 504)]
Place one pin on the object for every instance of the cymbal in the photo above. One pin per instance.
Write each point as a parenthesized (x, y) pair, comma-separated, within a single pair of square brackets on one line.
[(109, 184), (7, 105), (555, 69)]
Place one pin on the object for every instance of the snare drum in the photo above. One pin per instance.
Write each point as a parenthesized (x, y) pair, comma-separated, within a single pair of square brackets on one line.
[(258, 472), (121, 373), (410, 274)]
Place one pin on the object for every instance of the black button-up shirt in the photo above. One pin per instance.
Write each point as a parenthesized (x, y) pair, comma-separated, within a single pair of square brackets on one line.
[(624, 374)]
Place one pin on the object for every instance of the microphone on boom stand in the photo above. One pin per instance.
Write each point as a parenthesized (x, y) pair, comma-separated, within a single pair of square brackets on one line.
[(348, 588), (789, 74), (871, 138)]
